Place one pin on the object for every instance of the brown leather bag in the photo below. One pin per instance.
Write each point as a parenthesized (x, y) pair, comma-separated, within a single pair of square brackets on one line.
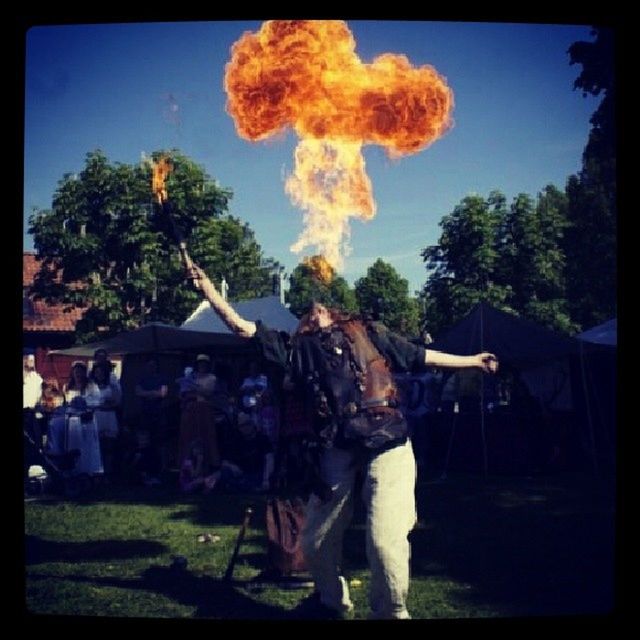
[(376, 423), (285, 519), (379, 386)]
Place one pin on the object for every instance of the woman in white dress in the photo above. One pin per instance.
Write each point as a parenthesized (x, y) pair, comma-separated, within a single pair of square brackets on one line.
[(105, 414), (83, 397)]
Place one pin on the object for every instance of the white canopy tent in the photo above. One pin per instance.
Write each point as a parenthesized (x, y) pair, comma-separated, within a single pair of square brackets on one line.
[(269, 310)]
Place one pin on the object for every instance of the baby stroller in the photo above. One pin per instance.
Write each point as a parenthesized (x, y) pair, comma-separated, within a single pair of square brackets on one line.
[(50, 472), (60, 458)]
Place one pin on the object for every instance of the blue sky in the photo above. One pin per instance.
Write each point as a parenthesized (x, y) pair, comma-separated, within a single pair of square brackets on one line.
[(130, 89)]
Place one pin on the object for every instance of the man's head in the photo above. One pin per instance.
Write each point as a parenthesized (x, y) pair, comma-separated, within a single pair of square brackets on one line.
[(316, 317), (100, 355), (100, 372), (29, 362), (319, 316), (203, 363)]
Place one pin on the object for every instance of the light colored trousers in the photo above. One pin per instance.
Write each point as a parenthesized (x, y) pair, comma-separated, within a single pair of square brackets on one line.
[(389, 495)]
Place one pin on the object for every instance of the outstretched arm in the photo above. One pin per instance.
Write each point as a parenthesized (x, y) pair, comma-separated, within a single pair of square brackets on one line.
[(485, 361), (227, 313)]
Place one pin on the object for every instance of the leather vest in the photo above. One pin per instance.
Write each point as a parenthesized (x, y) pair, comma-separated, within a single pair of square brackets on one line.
[(354, 392)]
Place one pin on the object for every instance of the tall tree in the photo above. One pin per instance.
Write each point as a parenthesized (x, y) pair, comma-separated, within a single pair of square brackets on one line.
[(510, 257), (105, 248), (533, 261), (590, 241), (384, 295), (305, 286), (463, 266)]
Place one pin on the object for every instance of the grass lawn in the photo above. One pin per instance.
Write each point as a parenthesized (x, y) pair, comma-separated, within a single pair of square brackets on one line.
[(501, 547)]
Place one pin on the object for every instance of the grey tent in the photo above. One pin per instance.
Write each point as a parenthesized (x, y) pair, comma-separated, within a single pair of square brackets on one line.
[(525, 348), (173, 348), (599, 369), (156, 337), (514, 340), (605, 333)]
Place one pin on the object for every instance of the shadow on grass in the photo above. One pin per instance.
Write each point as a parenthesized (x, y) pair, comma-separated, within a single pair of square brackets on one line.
[(533, 548), (38, 550), (211, 597), (215, 509), (525, 546)]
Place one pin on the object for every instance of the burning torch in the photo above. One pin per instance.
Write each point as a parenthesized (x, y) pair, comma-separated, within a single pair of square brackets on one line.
[(161, 169)]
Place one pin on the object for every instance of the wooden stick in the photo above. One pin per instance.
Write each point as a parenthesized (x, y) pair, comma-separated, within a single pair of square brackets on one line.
[(234, 558)]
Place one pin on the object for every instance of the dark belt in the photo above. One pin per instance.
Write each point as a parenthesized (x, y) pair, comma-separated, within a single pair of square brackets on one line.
[(375, 402)]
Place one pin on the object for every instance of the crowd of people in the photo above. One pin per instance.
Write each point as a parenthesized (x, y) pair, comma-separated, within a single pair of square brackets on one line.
[(220, 438), (249, 437)]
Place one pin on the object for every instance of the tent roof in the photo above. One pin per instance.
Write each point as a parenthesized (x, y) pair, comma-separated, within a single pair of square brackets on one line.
[(512, 339), (157, 337), (268, 309), (605, 333)]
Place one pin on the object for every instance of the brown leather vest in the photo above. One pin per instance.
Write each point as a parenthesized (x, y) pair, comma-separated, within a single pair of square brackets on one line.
[(379, 386)]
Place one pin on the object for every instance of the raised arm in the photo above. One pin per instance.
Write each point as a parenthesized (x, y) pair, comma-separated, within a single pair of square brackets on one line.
[(485, 361), (227, 313)]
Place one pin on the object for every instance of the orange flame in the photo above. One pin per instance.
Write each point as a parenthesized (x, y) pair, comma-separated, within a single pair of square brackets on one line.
[(320, 268), (305, 74), (161, 170)]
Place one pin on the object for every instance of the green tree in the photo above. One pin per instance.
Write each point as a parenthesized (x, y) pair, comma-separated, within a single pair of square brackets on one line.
[(384, 295), (590, 242), (463, 268), (532, 260), (305, 286), (104, 234)]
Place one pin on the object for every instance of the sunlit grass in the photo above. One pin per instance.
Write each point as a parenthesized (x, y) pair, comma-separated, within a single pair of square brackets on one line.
[(483, 548)]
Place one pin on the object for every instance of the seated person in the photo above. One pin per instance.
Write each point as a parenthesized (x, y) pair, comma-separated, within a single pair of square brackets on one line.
[(193, 475), (247, 457), (144, 463)]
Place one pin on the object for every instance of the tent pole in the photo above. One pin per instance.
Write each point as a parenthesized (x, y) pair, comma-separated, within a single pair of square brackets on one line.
[(588, 405), (601, 415), (485, 464), (443, 476)]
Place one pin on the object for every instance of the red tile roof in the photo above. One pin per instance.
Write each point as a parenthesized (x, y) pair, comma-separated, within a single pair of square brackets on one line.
[(45, 317)]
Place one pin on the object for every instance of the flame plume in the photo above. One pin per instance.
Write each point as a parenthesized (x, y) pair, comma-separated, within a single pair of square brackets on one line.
[(320, 268), (161, 170), (305, 74)]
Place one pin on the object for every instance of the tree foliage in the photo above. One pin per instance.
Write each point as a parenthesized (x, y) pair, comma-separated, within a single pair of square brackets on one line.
[(464, 266), (534, 261), (383, 295), (509, 257), (114, 255), (591, 238), (553, 260)]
